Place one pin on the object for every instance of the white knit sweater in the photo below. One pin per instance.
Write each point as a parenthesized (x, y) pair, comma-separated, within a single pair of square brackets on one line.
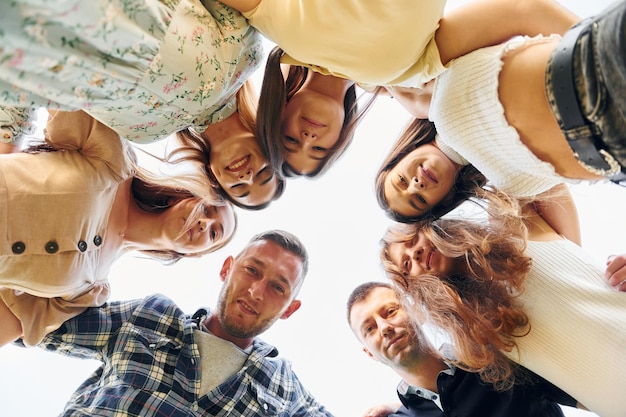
[(577, 339), (470, 120)]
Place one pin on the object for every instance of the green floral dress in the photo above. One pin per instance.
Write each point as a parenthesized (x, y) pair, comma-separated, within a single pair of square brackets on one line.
[(145, 68)]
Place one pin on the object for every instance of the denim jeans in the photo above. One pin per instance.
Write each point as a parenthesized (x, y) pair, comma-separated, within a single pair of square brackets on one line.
[(600, 81)]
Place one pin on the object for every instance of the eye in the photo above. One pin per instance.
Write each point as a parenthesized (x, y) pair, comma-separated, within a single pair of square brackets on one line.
[(392, 311), (291, 140), (213, 234), (251, 270), (406, 267), (206, 210), (279, 288), (403, 180), (319, 149), (421, 199)]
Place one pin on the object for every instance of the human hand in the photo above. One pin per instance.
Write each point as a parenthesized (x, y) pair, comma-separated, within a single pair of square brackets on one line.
[(382, 410), (616, 271)]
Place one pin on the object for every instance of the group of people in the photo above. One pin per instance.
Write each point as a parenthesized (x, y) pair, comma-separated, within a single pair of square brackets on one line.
[(504, 116)]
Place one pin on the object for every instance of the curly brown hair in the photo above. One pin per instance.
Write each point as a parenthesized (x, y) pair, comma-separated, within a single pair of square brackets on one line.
[(479, 307)]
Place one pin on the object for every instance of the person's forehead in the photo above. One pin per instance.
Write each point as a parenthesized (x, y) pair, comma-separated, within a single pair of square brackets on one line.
[(363, 309), (273, 254), (395, 251)]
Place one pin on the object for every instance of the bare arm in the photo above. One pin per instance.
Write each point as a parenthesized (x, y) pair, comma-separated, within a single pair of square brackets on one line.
[(241, 5), (482, 23), (8, 147), (415, 100), (10, 326), (556, 207)]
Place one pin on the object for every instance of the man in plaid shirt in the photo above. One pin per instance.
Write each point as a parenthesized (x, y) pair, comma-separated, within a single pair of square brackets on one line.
[(157, 361)]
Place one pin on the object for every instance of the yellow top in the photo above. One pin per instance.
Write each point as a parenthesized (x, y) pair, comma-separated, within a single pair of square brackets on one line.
[(375, 42)]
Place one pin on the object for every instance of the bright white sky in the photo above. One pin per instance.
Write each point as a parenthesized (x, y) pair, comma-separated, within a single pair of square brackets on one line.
[(339, 221)]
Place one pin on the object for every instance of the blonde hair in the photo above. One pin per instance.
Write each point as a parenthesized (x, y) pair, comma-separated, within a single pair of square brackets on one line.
[(479, 307)]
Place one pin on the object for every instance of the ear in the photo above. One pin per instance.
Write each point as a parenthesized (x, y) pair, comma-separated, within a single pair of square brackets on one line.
[(368, 353), (228, 263), (293, 307)]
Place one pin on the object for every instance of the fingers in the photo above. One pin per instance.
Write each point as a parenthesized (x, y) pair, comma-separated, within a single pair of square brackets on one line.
[(616, 271)]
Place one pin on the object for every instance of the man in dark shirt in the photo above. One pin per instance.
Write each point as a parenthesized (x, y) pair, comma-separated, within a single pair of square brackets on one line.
[(431, 387)]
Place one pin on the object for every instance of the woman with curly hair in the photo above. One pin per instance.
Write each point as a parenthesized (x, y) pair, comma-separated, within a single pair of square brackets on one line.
[(512, 288)]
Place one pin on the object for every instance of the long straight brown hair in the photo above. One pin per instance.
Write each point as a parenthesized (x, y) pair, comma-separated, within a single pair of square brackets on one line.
[(276, 92)]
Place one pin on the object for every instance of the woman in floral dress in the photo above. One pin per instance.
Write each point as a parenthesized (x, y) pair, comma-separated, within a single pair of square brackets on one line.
[(145, 68)]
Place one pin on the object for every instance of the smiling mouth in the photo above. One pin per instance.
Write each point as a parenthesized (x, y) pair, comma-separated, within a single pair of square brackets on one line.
[(394, 340), (426, 173), (429, 258), (239, 164), (313, 122), (246, 308)]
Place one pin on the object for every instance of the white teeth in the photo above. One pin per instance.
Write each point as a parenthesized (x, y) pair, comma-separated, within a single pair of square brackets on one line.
[(239, 164)]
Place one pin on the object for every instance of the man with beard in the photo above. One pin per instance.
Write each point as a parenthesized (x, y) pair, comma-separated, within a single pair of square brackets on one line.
[(158, 361), (430, 386)]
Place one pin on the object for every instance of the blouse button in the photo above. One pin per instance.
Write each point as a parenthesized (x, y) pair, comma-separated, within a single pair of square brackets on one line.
[(97, 240), (82, 245), (18, 247), (52, 247)]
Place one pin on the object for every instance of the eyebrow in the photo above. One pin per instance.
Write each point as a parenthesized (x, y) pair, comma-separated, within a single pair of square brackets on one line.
[(268, 178), (280, 277), (317, 158), (245, 194)]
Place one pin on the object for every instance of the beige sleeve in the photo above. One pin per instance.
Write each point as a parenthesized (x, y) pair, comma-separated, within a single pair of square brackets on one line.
[(40, 316)]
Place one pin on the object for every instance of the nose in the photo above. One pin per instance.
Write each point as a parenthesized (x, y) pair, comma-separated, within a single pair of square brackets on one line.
[(386, 329), (246, 176), (417, 255), (203, 225), (257, 290), (415, 186), (308, 136)]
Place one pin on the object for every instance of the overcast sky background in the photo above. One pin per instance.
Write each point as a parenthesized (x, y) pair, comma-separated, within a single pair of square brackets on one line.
[(339, 221)]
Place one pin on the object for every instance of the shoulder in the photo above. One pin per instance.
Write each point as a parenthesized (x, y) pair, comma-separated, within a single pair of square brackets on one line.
[(158, 312)]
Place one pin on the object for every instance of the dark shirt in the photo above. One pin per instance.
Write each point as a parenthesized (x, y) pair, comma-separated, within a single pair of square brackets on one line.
[(463, 394)]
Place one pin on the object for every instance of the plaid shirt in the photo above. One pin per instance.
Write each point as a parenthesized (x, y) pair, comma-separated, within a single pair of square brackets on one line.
[(151, 368)]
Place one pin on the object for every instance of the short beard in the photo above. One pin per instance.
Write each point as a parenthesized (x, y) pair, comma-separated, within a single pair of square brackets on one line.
[(235, 329)]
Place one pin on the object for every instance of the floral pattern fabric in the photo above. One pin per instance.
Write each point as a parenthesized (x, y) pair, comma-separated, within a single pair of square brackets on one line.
[(145, 68)]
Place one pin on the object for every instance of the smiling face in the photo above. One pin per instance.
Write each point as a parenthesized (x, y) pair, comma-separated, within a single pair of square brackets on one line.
[(384, 329), (187, 233), (242, 170), (420, 181), (419, 256), (259, 288), (311, 126)]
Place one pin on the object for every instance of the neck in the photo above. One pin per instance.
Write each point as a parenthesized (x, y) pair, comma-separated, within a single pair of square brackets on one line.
[(213, 324), (424, 373), (140, 232), (218, 131), (328, 85)]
